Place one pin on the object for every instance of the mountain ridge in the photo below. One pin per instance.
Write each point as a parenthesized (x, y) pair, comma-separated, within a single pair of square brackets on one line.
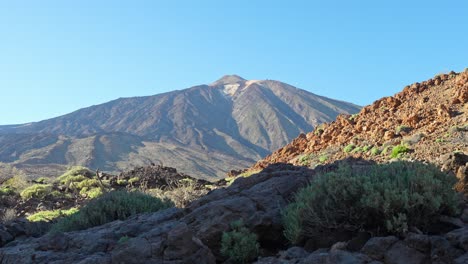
[(204, 120)]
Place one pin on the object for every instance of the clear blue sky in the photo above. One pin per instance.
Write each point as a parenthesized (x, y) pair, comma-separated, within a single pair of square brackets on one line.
[(58, 56)]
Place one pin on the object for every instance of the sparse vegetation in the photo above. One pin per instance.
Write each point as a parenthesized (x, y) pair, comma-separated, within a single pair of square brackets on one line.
[(182, 194), (304, 160), (6, 190), (375, 151), (91, 193), (74, 174), (17, 182), (349, 148), (239, 245), (122, 182), (357, 150), (51, 215), (398, 151), (38, 191), (353, 116), (386, 149), (123, 239), (323, 158), (387, 198), (116, 205), (133, 180)]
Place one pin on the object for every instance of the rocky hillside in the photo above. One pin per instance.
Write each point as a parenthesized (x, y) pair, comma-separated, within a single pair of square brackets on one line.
[(193, 234), (427, 121), (205, 130), (426, 221)]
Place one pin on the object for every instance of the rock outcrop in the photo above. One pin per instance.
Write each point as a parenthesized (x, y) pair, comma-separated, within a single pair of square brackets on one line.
[(191, 235), (431, 118)]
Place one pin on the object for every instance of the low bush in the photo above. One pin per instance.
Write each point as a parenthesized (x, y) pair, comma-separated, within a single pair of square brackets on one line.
[(182, 194), (116, 205), (6, 190), (375, 151), (386, 198), (239, 245), (38, 191), (88, 183), (398, 151), (18, 182), (349, 148), (51, 215), (91, 193), (304, 160), (75, 174), (133, 180), (323, 158)]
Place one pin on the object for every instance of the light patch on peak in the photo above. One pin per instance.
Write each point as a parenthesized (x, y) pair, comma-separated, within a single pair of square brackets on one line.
[(248, 83), (231, 89)]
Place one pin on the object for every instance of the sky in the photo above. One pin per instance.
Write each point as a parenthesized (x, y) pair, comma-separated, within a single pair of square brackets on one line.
[(59, 56)]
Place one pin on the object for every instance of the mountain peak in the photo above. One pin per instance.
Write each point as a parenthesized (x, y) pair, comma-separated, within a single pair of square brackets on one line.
[(229, 79)]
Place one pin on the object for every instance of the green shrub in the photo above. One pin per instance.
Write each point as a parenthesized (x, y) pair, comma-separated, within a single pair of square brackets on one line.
[(91, 193), (385, 198), (87, 183), (353, 116), (18, 182), (349, 148), (366, 148), (304, 160), (38, 191), (70, 178), (375, 151), (42, 180), (133, 180), (123, 239), (122, 182), (51, 215), (398, 151), (323, 158), (116, 205), (239, 245), (386, 149), (74, 174), (6, 190), (357, 150)]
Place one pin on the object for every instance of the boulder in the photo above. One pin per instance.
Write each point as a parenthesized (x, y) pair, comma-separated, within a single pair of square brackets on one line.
[(459, 238), (5, 237), (400, 253), (377, 246), (442, 251)]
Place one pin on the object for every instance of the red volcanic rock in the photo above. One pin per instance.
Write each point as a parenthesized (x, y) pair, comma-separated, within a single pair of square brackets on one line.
[(433, 109)]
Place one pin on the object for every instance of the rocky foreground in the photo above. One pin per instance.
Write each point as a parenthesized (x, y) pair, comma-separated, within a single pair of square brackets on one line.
[(429, 118), (193, 234)]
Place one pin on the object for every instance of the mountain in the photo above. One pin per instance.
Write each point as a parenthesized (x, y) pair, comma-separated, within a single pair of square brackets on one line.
[(427, 121), (204, 130), (420, 218)]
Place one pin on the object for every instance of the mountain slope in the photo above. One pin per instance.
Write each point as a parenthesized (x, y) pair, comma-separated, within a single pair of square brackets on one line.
[(204, 130), (429, 119)]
